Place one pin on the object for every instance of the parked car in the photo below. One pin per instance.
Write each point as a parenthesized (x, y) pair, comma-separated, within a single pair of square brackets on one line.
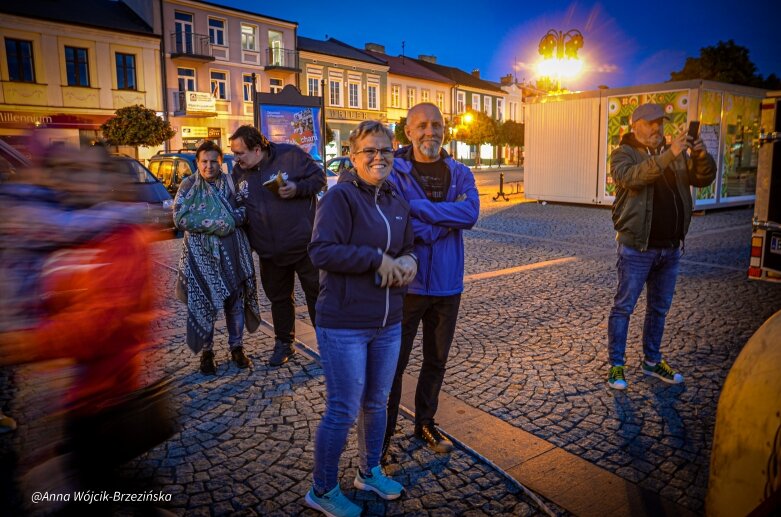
[(171, 168), (151, 191), (339, 164), (10, 160)]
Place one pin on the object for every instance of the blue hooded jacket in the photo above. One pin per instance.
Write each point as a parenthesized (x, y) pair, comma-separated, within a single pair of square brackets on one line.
[(355, 224), (439, 242)]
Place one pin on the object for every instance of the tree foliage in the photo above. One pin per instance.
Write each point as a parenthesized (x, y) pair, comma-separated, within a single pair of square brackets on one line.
[(511, 133), (481, 130), (136, 126), (725, 62)]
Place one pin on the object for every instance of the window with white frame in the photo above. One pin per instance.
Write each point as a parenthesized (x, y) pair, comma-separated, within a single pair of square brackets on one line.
[(249, 37), (395, 96), (412, 97), (513, 111), (275, 85), (247, 86), (313, 85), (186, 79), (353, 95), (441, 101), (425, 95), (219, 84), (371, 96), (500, 110), (475, 102), (335, 92), (460, 102), (217, 31), (487, 105)]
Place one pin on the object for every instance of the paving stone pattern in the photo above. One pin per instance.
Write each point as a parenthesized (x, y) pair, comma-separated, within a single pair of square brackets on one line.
[(531, 346)]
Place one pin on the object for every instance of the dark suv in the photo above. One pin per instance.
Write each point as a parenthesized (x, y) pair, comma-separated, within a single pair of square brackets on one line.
[(171, 168)]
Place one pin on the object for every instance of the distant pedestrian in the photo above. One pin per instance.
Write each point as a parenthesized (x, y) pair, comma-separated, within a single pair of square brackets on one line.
[(215, 270), (362, 244), (279, 222), (443, 202), (651, 215)]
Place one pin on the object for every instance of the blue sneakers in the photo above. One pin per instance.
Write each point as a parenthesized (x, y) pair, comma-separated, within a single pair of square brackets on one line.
[(333, 503), (378, 483)]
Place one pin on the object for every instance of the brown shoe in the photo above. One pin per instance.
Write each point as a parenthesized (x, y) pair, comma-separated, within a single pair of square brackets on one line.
[(282, 353), (207, 363), (238, 357), (434, 438)]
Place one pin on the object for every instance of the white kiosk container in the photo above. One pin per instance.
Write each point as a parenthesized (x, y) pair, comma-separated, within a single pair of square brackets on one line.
[(569, 138)]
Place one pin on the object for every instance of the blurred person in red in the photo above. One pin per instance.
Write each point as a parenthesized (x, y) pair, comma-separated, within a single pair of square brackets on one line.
[(94, 306)]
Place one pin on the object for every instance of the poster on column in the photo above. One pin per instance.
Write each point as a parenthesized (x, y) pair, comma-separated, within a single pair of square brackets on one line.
[(297, 125)]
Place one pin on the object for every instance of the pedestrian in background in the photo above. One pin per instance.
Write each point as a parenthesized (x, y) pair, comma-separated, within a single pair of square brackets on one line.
[(651, 215), (363, 245), (215, 269), (443, 202), (279, 217)]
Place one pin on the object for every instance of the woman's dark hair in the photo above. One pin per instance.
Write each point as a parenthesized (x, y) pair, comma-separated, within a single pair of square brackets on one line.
[(251, 136), (207, 146)]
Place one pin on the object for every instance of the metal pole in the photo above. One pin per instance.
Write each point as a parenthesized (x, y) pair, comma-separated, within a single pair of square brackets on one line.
[(255, 114), (322, 119)]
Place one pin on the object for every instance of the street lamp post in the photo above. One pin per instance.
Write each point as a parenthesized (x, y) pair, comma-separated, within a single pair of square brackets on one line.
[(560, 52)]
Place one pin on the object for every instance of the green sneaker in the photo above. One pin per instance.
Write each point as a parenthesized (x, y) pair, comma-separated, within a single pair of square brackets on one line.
[(615, 379), (378, 483), (333, 503), (662, 370)]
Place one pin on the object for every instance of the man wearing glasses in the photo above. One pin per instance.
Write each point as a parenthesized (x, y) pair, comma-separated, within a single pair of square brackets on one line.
[(443, 201), (279, 224)]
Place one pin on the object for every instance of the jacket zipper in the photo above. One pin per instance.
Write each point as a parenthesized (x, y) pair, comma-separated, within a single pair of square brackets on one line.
[(387, 247)]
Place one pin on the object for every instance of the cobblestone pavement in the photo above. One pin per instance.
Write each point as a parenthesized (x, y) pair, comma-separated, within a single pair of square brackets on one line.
[(530, 349), (531, 346)]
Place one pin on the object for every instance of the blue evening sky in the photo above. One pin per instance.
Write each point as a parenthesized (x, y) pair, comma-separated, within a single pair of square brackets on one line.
[(626, 43)]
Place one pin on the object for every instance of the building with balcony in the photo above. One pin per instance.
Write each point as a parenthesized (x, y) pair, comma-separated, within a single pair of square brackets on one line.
[(67, 67), (211, 53), (410, 83), (470, 91), (355, 86)]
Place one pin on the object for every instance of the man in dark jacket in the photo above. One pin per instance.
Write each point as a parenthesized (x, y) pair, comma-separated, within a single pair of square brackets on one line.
[(279, 224), (651, 215), (443, 202)]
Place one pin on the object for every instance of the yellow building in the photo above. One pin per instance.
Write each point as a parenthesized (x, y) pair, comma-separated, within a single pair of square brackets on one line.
[(68, 66)]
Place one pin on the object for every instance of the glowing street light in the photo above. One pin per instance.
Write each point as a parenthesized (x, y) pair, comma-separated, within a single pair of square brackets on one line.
[(560, 54)]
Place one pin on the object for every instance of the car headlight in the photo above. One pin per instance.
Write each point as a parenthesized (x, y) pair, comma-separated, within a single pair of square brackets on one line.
[(168, 204)]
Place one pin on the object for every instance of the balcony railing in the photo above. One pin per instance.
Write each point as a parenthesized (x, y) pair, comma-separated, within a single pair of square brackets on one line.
[(281, 58), (193, 46)]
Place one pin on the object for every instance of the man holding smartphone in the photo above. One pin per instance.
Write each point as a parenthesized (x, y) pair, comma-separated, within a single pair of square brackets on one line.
[(651, 215)]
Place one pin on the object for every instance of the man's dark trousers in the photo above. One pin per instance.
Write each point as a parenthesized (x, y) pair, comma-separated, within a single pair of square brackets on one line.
[(439, 315), (278, 283)]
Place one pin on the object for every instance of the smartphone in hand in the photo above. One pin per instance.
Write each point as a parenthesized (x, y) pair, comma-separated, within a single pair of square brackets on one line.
[(694, 129)]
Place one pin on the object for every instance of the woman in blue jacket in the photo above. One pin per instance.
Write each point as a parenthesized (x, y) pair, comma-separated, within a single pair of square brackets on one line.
[(362, 243)]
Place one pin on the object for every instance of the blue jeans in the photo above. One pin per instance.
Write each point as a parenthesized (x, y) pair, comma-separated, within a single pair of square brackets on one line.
[(234, 321), (359, 365), (658, 269)]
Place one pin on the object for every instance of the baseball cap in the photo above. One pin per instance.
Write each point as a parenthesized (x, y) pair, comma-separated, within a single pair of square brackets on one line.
[(649, 112)]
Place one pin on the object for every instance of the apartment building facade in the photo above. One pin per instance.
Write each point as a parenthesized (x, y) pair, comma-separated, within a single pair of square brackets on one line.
[(354, 86), (211, 52), (67, 67)]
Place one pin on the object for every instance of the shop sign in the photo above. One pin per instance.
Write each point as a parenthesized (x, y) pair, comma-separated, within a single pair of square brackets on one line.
[(350, 114), (194, 132), (214, 132), (199, 102)]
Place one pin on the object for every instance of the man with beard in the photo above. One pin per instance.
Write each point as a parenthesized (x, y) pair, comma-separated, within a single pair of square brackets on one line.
[(443, 202), (651, 216)]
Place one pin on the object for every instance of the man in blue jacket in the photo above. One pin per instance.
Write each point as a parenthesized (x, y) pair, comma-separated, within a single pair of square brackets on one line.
[(443, 201), (279, 225)]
